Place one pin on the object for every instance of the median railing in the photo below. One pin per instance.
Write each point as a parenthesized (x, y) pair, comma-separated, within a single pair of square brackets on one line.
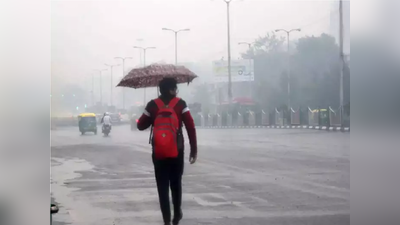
[(327, 118)]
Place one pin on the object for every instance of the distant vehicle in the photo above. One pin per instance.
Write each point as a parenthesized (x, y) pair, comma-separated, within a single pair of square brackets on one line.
[(87, 123), (53, 210), (124, 118), (98, 118), (115, 118), (106, 130)]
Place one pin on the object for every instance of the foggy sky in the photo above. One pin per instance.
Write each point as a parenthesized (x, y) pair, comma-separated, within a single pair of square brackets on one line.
[(87, 34)]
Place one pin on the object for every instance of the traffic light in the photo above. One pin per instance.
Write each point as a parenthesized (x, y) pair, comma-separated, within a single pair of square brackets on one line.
[(77, 108), (85, 106)]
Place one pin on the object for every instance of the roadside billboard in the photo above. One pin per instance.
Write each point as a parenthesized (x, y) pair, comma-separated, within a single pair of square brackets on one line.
[(241, 70)]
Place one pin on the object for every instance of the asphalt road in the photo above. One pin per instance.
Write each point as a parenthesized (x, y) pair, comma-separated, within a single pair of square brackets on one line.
[(256, 177)]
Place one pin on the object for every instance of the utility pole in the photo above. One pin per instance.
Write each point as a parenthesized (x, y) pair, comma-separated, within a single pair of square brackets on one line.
[(123, 74), (289, 64), (176, 41), (144, 64), (111, 84), (230, 94), (92, 89), (342, 60), (101, 88), (250, 75)]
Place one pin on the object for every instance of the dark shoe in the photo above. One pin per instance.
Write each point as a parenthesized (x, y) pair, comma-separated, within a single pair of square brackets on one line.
[(177, 218), (167, 223)]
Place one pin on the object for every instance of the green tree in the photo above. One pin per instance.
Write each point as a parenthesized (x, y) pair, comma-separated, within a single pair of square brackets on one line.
[(314, 72), (202, 94)]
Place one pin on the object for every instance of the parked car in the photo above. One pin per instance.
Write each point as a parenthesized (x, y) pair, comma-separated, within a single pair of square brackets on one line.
[(125, 118), (115, 118)]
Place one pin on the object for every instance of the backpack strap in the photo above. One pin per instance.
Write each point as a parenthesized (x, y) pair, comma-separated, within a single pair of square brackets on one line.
[(173, 102), (160, 104)]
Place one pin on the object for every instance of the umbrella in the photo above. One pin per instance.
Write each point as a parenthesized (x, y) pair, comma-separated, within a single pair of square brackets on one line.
[(150, 76)]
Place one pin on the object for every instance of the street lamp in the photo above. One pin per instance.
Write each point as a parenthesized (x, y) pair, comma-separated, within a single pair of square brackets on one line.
[(176, 41), (123, 74), (249, 45), (342, 60), (111, 85), (288, 50), (92, 91), (140, 52), (101, 91), (229, 51), (144, 64)]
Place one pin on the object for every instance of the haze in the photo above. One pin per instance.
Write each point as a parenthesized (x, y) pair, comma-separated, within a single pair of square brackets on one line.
[(87, 34)]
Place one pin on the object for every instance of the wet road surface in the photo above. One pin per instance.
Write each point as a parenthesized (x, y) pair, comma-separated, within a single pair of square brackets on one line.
[(256, 177)]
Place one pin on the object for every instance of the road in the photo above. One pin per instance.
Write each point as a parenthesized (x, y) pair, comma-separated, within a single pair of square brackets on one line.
[(256, 177)]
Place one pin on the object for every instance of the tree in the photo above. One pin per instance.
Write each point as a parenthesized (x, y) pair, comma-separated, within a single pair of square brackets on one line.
[(314, 72), (269, 43), (316, 65), (202, 94)]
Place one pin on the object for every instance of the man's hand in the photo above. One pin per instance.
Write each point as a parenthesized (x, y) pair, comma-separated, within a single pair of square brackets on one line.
[(192, 159)]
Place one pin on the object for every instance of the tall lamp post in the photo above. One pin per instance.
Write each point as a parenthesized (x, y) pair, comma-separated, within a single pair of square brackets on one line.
[(176, 41), (288, 50), (249, 45), (123, 74), (230, 94), (101, 86), (144, 64), (111, 84), (342, 60), (92, 92)]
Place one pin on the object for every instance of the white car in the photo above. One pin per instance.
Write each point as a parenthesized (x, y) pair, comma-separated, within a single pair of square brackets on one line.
[(125, 118)]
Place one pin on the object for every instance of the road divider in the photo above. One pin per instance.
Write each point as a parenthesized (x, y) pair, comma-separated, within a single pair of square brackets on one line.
[(344, 129)]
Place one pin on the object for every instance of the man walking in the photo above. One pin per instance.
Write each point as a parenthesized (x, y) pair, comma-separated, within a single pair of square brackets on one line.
[(166, 115)]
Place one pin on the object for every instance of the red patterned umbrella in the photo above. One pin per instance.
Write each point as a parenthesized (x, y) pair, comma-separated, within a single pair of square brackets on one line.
[(150, 76)]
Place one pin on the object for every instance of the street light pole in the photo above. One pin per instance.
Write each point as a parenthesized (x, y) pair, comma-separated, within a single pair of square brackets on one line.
[(342, 60), (111, 85), (140, 53), (289, 69), (250, 58), (144, 64), (176, 41), (101, 86), (92, 89), (123, 74), (230, 94)]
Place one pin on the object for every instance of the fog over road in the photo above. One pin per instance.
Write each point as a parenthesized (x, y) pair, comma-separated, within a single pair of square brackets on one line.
[(254, 176)]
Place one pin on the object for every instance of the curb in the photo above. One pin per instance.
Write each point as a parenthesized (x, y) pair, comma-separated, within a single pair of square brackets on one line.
[(345, 129)]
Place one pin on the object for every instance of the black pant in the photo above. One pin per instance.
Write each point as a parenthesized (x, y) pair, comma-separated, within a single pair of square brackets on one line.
[(168, 174)]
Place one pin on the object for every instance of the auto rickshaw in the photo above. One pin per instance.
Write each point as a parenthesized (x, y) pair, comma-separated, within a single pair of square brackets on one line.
[(87, 123)]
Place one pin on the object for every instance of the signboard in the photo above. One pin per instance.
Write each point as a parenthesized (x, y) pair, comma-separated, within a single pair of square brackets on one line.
[(241, 70)]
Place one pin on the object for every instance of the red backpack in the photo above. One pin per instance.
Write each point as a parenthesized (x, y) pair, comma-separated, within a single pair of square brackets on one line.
[(165, 130)]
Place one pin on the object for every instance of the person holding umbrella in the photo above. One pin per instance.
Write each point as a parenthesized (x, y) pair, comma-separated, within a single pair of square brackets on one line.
[(166, 115)]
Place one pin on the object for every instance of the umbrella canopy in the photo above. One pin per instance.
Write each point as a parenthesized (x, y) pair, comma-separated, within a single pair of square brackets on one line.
[(150, 76)]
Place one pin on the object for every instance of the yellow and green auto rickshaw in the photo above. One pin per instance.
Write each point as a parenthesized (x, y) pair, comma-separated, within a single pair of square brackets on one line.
[(87, 123)]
